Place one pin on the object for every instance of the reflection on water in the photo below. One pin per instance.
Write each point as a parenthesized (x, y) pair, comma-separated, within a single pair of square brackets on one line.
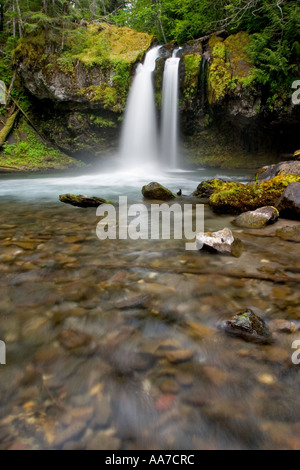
[(115, 344)]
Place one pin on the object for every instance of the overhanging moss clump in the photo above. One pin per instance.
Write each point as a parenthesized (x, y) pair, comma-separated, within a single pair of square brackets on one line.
[(241, 198), (231, 68), (192, 66)]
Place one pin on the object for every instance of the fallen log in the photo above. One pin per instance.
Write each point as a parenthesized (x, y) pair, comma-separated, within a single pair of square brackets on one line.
[(8, 126)]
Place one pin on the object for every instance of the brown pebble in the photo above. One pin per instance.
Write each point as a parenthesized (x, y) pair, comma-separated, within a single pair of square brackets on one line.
[(180, 355), (72, 339)]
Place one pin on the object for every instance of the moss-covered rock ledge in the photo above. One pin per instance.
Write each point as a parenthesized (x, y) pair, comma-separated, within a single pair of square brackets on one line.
[(93, 69), (235, 198)]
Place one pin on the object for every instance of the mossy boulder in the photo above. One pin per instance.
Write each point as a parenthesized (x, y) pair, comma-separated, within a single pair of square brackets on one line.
[(248, 326), (157, 191), (257, 219), (282, 168), (249, 197), (289, 202), (83, 201)]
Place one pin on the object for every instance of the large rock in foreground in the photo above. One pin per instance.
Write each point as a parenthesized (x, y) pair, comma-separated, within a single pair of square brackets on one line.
[(257, 219), (157, 191), (248, 326), (222, 242), (283, 168), (289, 202), (82, 201)]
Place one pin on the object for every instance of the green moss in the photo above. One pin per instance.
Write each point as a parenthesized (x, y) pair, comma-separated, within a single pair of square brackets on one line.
[(219, 74), (30, 153), (103, 94), (100, 42), (192, 65), (101, 122), (121, 80), (207, 188), (31, 48), (241, 198)]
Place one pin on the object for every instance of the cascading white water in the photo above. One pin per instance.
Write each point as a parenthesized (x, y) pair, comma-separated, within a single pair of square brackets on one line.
[(139, 141), (169, 137)]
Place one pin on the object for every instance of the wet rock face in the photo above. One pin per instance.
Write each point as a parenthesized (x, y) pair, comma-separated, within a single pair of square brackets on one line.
[(222, 242), (157, 191), (257, 219), (248, 326), (283, 168), (289, 202)]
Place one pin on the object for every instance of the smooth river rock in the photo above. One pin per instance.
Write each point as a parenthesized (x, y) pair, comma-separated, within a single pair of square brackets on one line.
[(258, 218), (222, 242), (157, 191)]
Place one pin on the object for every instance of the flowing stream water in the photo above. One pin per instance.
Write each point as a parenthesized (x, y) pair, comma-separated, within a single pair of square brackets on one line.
[(116, 344)]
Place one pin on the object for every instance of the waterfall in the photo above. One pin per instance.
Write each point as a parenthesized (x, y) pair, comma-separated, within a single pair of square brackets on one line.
[(169, 138), (139, 140)]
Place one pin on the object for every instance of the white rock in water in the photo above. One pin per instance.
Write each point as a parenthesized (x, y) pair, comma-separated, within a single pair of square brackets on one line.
[(221, 241)]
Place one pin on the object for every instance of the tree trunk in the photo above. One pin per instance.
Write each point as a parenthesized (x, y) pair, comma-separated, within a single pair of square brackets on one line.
[(20, 21), (14, 19)]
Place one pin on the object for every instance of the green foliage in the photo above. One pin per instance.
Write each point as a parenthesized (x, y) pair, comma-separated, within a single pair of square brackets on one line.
[(29, 152), (121, 80), (101, 122)]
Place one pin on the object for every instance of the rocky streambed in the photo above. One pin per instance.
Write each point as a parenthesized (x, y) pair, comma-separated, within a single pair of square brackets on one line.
[(117, 344)]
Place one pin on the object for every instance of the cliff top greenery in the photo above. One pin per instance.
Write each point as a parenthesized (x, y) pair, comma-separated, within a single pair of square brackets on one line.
[(76, 29)]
